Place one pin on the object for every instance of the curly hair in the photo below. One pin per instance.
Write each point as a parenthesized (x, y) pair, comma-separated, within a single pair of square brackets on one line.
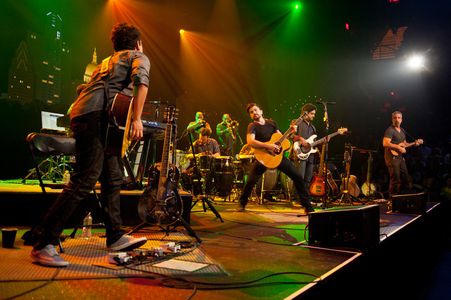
[(125, 36)]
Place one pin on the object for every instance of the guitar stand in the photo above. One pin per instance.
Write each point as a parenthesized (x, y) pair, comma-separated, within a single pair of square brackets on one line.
[(176, 223), (346, 198)]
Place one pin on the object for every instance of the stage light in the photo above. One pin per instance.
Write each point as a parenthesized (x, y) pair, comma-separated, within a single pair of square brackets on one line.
[(182, 31), (416, 62), (347, 26), (298, 6)]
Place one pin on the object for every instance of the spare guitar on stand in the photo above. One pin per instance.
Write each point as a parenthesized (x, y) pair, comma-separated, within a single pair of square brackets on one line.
[(349, 188), (160, 203)]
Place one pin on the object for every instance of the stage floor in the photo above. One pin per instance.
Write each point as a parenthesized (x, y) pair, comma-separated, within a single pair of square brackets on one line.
[(262, 253)]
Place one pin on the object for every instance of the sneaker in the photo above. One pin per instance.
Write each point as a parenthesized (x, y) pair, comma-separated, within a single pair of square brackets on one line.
[(48, 257), (127, 243)]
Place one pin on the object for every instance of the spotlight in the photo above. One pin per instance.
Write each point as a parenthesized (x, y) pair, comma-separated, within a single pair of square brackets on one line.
[(182, 31), (416, 62)]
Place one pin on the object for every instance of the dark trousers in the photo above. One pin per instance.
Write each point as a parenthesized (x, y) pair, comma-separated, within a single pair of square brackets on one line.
[(399, 174), (306, 169), (286, 167), (92, 164)]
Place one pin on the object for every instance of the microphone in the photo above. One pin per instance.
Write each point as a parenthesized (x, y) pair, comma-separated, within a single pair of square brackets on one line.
[(198, 126), (326, 102)]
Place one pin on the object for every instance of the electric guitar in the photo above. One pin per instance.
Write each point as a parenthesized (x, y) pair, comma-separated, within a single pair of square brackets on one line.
[(318, 184), (160, 203), (303, 152), (270, 159), (406, 145)]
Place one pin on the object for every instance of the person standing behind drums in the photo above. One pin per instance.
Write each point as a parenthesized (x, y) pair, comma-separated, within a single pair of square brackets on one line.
[(305, 129), (226, 135), (196, 126), (205, 149)]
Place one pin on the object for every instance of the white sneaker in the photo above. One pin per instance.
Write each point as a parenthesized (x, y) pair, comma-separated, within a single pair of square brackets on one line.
[(127, 243), (48, 256)]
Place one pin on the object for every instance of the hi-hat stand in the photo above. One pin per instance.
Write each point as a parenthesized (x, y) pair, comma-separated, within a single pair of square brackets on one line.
[(204, 197)]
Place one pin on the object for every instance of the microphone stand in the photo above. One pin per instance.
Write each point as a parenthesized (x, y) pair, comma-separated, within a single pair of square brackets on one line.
[(326, 153)]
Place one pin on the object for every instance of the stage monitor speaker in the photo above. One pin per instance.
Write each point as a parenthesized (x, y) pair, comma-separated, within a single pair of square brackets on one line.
[(353, 228), (409, 203)]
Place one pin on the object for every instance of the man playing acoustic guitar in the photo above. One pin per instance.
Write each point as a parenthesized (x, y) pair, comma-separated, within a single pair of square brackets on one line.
[(395, 145), (261, 134)]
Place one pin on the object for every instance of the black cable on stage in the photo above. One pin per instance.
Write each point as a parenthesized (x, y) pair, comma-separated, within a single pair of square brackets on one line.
[(263, 226)]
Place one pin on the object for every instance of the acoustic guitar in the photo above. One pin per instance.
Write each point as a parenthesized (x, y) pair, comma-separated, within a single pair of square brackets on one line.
[(270, 159), (349, 182), (406, 145)]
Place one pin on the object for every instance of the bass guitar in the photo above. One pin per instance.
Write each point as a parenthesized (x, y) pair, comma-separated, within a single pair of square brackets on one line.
[(272, 160), (160, 203), (303, 152), (406, 145), (318, 184)]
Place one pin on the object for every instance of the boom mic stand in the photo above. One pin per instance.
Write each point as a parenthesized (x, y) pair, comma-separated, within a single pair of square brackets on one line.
[(206, 201), (326, 150)]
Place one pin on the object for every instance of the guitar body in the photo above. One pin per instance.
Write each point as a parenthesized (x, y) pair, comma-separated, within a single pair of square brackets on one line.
[(368, 189), (304, 152), (331, 183), (120, 115), (272, 160), (164, 207), (318, 186), (353, 188)]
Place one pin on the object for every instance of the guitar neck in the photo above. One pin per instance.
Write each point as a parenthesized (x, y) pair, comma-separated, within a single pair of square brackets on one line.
[(322, 140), (288, 132)]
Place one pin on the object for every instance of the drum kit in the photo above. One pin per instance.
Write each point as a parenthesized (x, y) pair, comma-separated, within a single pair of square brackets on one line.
[(219, 175)]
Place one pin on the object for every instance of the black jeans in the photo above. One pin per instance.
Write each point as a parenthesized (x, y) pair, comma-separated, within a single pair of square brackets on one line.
[(306, 168), (286, 167), (399, 174), (92, 164)]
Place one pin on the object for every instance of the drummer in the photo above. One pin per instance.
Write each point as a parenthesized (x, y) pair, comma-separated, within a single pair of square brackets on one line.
[(205, 144)]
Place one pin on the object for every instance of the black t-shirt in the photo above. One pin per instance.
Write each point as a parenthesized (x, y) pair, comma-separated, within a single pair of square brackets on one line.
[(264, 132), (395, 136)]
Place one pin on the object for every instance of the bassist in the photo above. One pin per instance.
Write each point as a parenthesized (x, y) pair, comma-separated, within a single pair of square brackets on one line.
[(395, 145), (305, 129), (259, 133)]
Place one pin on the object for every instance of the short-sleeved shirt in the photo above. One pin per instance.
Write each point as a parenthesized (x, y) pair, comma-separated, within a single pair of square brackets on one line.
[(126, 68), (306, 130), (211, 146), (264, 132), (394, 136)]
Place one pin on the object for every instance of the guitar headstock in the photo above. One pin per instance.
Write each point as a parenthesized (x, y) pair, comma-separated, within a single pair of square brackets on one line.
[(170, 114), (342, 130)]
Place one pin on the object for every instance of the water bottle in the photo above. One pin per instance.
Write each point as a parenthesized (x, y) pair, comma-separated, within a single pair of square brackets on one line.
[(66, 177), (87, 225)]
